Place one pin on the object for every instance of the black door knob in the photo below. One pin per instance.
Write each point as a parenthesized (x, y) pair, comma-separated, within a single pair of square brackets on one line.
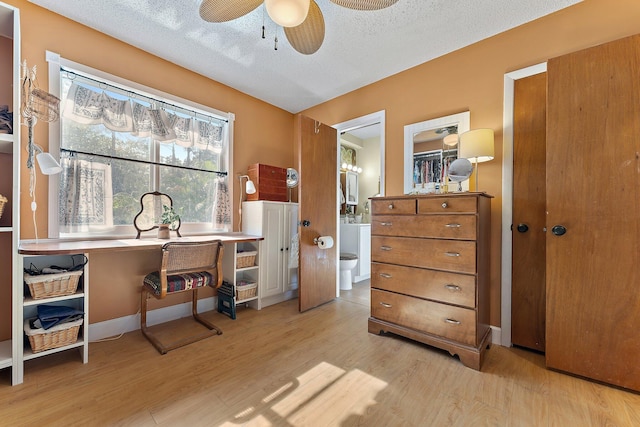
[(558, 230), (523, 228), (306, 223)]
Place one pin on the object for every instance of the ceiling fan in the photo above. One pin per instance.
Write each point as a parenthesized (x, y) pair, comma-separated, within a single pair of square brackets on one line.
[(302, 20)]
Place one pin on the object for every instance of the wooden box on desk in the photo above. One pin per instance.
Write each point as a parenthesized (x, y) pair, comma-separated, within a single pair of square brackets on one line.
[(270, 182)]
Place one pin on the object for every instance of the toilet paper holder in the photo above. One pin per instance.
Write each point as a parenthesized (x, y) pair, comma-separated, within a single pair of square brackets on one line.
[(323, 242)]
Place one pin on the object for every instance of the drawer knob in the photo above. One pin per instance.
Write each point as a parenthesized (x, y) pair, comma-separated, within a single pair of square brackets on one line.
[(452, 321), (386, 224), (386, 304), (385, 275), (445, 205), (452, 254), (453, 288), (453, 225), (390, 205), (385, 248)]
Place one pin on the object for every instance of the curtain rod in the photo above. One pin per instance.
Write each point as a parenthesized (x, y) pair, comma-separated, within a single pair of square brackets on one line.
[(67, 150), (133, 92)]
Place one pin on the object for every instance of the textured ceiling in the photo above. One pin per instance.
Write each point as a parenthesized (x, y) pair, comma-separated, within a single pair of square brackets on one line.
[(360, 47)]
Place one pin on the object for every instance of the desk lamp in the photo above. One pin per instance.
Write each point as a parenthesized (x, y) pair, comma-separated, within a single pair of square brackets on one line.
[(249, 188)]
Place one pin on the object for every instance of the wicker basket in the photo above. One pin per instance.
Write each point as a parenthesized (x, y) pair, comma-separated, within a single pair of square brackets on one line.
[(246, 290), (246, 259), (3, 201), (54, 337), (52, 285)]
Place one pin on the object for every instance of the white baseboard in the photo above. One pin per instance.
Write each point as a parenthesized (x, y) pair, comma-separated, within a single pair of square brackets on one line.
[(121, 325), (496, 335)]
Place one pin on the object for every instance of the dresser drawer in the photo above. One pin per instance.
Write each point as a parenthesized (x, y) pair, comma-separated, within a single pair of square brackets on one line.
[(452, 255), (393, 206), (436, 226), (444, 320), (452, 288), (444, 204)]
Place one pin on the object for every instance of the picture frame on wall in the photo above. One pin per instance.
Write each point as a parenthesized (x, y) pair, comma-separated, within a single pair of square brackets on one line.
[(351, 193)]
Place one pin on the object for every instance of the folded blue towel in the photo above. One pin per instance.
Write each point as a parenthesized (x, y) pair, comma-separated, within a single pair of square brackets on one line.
[(51, 315)]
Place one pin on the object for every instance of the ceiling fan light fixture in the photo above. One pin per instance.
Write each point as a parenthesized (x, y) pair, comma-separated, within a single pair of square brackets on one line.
[(287, 13), (450, 139)]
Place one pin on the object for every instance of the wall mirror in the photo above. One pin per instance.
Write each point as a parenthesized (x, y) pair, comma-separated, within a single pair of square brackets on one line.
[(351, 194), (424, 147)]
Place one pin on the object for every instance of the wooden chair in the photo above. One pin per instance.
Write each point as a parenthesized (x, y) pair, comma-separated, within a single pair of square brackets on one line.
[(185, 267)]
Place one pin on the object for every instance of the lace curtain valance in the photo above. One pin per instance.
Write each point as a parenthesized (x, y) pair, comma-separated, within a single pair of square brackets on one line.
[(86, 106)]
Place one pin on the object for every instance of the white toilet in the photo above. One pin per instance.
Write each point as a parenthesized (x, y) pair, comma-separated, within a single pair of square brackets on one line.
[(347, 263)]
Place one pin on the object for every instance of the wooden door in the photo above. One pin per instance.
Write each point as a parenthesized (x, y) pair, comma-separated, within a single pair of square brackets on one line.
[(317, 150), (593, 196), (528, 259)]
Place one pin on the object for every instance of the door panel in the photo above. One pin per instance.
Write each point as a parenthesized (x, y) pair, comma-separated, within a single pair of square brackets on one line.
[(317, 148), (273, 219), (529, 199), (593, 191)]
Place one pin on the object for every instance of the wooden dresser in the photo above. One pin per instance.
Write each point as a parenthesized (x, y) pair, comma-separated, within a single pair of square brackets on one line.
[(430, 271)]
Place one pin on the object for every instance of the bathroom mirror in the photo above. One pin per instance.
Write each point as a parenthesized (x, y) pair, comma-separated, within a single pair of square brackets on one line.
[(426, 138), (351, 194)]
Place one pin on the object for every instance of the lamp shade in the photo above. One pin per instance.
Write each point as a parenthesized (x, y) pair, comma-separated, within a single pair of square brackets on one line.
[(476, 145), (48, 165), (287, 13), (250, 187)]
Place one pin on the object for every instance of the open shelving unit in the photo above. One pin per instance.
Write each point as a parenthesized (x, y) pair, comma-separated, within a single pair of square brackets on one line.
[(9, 181)]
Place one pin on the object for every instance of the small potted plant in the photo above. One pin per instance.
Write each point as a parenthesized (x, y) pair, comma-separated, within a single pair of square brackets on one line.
[(169, 220)]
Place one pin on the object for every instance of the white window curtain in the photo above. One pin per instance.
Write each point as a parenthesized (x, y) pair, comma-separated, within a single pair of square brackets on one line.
[(221, 204), (88, 204)]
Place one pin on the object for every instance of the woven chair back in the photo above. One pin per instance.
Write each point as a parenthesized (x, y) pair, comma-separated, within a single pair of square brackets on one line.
[(186, 257)]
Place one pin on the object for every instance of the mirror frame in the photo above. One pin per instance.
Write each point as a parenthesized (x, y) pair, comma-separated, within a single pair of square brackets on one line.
[(462, 120)]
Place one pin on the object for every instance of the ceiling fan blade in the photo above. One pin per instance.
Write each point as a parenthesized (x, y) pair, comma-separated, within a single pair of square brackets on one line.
[(365, 4), (226, 10), (307, 37)]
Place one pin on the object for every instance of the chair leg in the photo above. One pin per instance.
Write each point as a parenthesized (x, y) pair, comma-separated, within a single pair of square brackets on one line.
[(194, 311), (144, 296), (164, 348)]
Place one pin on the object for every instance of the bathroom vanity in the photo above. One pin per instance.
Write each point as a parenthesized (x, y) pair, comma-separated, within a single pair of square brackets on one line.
[(430, 271), (356, 239)]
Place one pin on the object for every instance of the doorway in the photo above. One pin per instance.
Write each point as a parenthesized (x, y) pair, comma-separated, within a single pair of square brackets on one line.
[(369, 133), (507, 197)]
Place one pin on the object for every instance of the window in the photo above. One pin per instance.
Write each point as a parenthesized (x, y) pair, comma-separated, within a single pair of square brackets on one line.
[(118, 141)]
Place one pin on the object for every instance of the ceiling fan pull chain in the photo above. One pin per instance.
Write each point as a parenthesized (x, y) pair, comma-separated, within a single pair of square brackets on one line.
[(263, 21), (275, 41)]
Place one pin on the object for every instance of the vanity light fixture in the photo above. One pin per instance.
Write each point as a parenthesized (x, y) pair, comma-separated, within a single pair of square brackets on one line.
[(352, 168), (477, 146)]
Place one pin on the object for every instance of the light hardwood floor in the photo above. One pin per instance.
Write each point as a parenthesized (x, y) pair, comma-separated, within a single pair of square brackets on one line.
[(277, 367)]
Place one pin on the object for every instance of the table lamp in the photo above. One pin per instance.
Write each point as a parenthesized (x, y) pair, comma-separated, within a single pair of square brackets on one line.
[(477, 146)]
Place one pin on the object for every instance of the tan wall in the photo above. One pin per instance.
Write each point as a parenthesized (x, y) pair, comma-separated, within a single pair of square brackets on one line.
[(263, 133), (472, 79)]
